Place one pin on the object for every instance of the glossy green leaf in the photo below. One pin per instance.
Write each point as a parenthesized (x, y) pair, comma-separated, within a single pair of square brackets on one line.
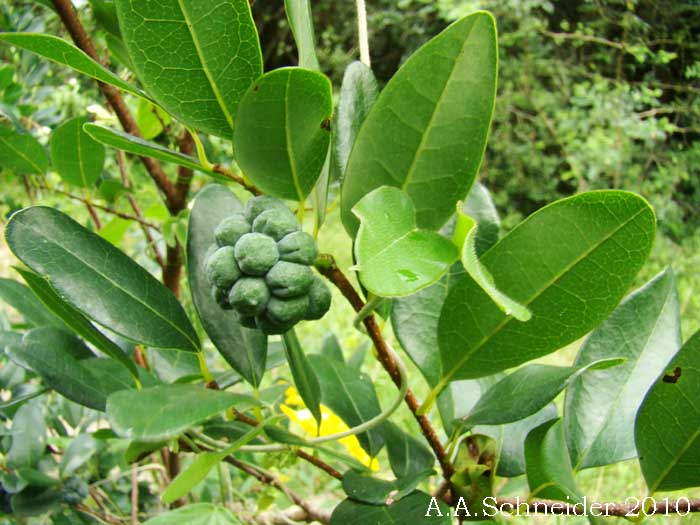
[(165, 411), (99, 280), (358, 94), (151, 119), (198, 470), (511, 440), (331, 349), (363, 488), (459, 397), (28, 437), (480, 274), (51, 353), (75, 155), (20, 152), (283, 131), (481, 208), (243, 348), (414, 318), (527, 390), (549, 472), (34, 501), (394, 258), (138, 146), (79, 452), (457, 401), (30, 308), (301, 22), (667, 429), (408, 456), (305, 379), (197, 514), (351, 395), (106, 15), (570, 263), (74, 320), (427, 132), (195, 473), (417, 508), (64, 53), (195, 57), (601, 406)]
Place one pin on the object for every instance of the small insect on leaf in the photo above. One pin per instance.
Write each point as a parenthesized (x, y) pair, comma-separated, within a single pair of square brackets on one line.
[(674, 377)]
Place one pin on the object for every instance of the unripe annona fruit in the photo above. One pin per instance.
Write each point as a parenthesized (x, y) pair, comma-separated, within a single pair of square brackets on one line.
[(298, 247), (287, 279), (271, 327), (249, 296), (260, 267), (256, 205), (289, 310), (319, 300), (256, 253), (276, 223), (222, 270), (231, 229)]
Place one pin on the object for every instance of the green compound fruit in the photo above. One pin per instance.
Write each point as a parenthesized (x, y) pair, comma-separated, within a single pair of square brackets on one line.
[(276, 223), (231, 229), (222, 269), (287, 279), (260, 267), (249, 296), (256, 253), (298, 247)]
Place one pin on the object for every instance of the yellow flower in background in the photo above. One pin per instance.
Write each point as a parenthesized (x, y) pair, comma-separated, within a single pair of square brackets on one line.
[(296, 411)]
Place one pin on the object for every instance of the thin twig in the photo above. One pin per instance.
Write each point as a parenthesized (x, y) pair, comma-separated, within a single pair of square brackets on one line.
[(134, 495), (326, 265), (312, 513), (300, 453), (137, 211), (102, 517), (218, 168), (106, 209), (69, 17)]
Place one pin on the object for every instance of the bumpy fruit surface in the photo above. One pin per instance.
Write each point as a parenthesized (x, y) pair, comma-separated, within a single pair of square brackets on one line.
[(260, 267)]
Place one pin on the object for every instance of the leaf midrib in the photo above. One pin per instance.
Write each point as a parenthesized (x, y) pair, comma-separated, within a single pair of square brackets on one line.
[(117, 286), (433, 116), (205, 66), (18, 152), (508, 318), (599, 431), (288, 140)]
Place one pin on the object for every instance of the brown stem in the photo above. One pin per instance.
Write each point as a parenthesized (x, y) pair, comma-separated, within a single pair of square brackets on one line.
[(173, 268), (91, 210), (134, 496), (137, 211), (662, 507), (102, 517), (326, 265), (312, 513), (218, 168), (70, 19), (300, 453)]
